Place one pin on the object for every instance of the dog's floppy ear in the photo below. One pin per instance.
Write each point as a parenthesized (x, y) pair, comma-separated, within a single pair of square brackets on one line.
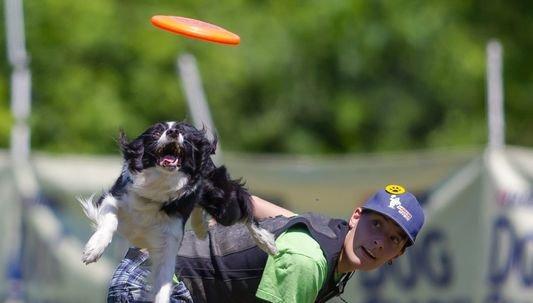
[(213, 145), (122, 140), (225, 199), (208, 148), (203, 150), (132, 152)]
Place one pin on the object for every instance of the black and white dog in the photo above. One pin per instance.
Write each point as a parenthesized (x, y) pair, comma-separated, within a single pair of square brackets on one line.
[(167, 172)]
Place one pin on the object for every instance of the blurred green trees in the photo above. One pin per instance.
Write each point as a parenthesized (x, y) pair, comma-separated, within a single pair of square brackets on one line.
[(309, 76)]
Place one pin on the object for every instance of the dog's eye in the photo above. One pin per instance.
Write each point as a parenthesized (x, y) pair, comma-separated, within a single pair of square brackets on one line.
[(156, 134)]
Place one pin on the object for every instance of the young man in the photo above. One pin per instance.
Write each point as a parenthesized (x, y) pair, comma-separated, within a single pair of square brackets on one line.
[(317, 255)]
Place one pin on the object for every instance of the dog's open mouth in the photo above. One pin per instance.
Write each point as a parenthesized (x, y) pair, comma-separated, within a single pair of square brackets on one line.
[(169, 156)]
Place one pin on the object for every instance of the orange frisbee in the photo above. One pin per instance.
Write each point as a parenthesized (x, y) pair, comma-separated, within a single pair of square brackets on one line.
[(195, 29)]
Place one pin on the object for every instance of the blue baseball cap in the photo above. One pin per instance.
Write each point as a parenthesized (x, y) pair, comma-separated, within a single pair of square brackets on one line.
[(401, 206)]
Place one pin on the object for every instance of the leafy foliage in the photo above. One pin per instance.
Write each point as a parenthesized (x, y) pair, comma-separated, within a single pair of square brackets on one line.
[(309, 76)]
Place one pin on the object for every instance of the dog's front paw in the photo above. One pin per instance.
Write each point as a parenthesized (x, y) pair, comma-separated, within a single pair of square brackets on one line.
[(95, 247)]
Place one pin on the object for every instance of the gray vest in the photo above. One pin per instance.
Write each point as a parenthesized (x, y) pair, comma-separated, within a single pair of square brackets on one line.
[(227, 265)]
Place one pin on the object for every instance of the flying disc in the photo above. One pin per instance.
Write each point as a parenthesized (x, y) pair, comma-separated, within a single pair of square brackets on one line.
[(195, 29)]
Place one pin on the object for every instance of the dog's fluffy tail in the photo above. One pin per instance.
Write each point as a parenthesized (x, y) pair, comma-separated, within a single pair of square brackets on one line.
[(263, 238), (90, 208)]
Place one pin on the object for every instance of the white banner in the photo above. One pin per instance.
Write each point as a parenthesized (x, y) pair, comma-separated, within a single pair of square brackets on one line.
[(476, 246)]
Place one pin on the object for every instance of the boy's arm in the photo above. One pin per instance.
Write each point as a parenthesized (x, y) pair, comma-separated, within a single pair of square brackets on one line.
[(264, 209)]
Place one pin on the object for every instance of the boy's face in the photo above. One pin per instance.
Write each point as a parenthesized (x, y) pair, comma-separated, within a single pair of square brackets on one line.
[(375, 240)]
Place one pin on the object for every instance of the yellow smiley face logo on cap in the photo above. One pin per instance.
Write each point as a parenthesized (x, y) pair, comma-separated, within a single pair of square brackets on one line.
[(394, 189)]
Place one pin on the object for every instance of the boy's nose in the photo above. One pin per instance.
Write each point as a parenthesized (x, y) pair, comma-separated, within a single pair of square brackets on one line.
[(378, 244)]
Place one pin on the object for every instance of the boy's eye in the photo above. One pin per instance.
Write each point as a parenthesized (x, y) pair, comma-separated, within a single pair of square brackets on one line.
[(395, 240), (376, 223)]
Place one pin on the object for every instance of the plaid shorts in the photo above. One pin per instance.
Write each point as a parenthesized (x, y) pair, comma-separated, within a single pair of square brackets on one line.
[(129, 282)]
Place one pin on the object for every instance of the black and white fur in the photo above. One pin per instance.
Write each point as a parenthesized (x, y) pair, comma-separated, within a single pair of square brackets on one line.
[(167, 172)]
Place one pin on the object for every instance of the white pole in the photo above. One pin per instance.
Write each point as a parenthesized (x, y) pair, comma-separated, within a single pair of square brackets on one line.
[(196, 101), (495, 111), (20, 79), (20, 137)]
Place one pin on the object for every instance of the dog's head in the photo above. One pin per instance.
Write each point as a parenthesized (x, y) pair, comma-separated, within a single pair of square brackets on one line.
[(169, 146)]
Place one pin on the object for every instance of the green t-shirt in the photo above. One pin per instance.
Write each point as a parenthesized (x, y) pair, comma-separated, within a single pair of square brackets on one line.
[(297, 272)]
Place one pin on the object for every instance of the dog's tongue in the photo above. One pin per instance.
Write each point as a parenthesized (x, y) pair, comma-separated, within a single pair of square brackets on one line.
[(168, 160)]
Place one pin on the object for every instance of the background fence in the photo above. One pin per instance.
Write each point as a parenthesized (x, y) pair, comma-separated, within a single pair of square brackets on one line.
[(54, 227)]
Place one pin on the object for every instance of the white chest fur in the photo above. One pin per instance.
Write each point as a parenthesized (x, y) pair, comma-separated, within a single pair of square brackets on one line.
[(142, 222), (159, 185)]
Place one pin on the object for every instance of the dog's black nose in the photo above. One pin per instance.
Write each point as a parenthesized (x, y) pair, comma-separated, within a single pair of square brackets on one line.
[(172, 133)]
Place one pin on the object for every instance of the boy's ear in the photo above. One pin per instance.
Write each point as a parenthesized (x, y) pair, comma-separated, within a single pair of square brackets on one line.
[(354, 218)]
